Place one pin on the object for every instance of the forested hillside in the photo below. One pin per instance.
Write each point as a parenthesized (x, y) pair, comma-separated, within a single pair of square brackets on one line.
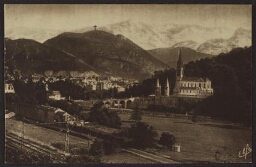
[(231, 76)]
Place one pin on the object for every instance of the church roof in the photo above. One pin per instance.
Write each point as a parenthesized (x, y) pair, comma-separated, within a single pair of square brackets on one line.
[(56, 93), (194, 79)]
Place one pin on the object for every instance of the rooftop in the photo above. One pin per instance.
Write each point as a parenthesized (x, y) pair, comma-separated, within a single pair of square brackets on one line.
[(194, 79), (189, 88), (56, 92)]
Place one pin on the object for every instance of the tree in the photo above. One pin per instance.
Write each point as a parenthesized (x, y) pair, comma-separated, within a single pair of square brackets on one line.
[(136, 115), (110, 147), (142, 135), (167, 140), (99, 113), (40, 92), (231, 76), (97, 149), (74, 109), (194, 118), (114, 119)]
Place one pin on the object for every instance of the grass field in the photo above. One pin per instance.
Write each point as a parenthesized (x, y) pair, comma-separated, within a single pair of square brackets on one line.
[(200, 141), (48, 137)]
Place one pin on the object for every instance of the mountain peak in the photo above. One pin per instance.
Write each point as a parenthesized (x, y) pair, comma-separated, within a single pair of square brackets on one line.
[(111, 54), (241, 31)]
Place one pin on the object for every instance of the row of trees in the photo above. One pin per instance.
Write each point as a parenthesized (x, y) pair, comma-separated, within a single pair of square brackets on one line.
[(140, 135), (30, 92)]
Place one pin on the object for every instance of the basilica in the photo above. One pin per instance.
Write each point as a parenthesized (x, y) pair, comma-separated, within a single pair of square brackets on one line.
[(192, 89)]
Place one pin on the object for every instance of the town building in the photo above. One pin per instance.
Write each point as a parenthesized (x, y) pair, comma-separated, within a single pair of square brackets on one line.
[(8, 88), (55, 95)]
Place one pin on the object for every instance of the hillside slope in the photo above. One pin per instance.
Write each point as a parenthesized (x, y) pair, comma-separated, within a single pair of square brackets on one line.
[(111, 54), (29, 57)]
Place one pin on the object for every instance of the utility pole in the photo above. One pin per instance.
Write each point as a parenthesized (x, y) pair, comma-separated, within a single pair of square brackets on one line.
[(67, 138), (89, 137), (23, 133)]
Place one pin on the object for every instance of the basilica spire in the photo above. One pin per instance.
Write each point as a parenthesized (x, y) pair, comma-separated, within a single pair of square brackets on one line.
[(157, 83), (180, 61), (158, 88), (167, 88), (179, 69)]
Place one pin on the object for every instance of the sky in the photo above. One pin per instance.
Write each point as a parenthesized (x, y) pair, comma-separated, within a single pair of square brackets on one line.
[(71, 17)]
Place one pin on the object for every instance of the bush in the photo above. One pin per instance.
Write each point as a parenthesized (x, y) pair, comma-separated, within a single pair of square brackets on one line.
[(136, 115), (194, 118), (110, 147), (142, 135), (103, 116), (167, 140), (97, 148)]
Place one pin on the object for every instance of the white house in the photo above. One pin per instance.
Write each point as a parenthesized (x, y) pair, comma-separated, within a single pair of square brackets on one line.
[(56, 96), (8, 88)]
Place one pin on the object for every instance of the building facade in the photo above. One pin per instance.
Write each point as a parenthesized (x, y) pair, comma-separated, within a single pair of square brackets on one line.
[(190, 86), (187, 89), (8, 88)]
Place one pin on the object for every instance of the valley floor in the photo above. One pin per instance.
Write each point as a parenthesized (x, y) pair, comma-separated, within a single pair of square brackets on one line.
[(200, 141)]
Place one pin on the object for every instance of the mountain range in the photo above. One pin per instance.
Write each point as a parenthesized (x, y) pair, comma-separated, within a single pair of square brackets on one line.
[(198, 38), (129, 49), (37, 34), (213, 40)]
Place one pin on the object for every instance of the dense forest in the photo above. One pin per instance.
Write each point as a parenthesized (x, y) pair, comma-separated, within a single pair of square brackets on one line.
[(231, 76)]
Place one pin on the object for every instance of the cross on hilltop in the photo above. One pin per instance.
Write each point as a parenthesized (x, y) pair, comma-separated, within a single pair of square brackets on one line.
[(95, 27)]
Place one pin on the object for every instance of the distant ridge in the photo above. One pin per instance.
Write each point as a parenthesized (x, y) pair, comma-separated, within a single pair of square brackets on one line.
[(170, 55)]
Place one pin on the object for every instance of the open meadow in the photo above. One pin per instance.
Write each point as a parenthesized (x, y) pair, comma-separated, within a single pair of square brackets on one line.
[(201, 140)]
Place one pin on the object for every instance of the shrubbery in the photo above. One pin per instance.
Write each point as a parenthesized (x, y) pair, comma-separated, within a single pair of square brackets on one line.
[(97, 148), (100, 114), (167, 140), (141, 134), (110, 147), (136, 115)]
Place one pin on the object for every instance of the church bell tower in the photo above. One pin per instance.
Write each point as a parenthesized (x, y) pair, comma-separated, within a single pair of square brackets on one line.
[(158, 89), (179, 75), (179, 69), (167, 88)]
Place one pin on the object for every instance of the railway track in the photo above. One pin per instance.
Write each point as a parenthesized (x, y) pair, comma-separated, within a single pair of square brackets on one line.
[(150, 156), (33, 149)]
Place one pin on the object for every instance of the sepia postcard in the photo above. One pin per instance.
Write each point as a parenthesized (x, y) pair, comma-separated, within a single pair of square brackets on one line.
[(128, 83)]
